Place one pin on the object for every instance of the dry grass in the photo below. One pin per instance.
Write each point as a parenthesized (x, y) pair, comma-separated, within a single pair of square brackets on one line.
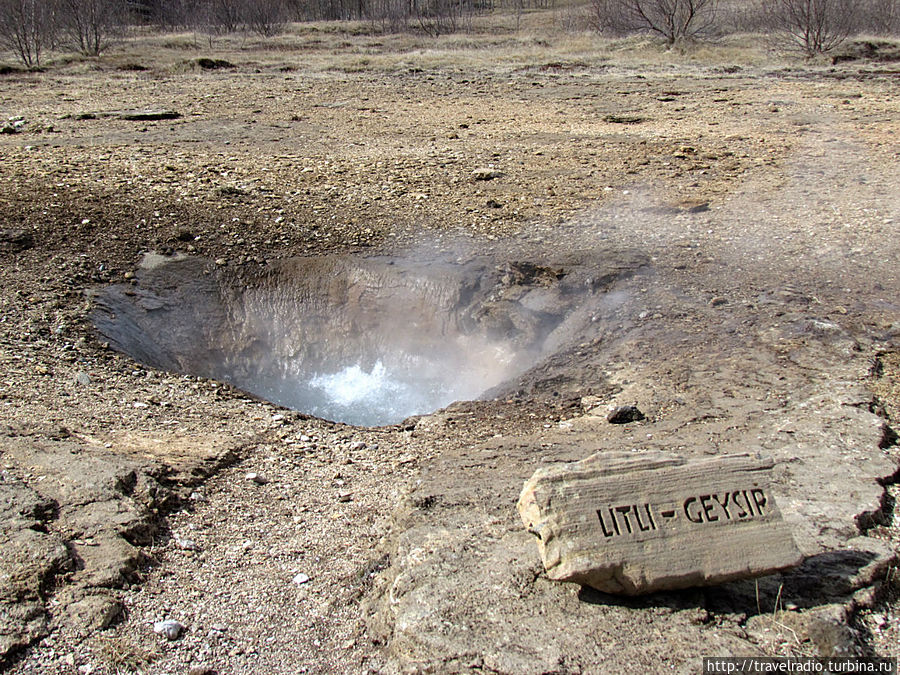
[(120, 656), (502, 39)]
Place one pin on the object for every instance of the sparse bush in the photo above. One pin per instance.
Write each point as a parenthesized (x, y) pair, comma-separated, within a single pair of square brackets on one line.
[(171, 15), (742, 16), (28, 28), (90, 26), (225, 16), (438, 17), (391, 15), (815, 26), (265, 18), (881, 17), (673, 19)]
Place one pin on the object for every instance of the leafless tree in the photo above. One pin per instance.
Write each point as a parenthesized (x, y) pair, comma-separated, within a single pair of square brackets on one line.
[(881, 17), (266, 17), (673, 19), (438, 17), (225, 16), (28, 28), (391, 15), (815, 26), (171, 14), (90, 26)]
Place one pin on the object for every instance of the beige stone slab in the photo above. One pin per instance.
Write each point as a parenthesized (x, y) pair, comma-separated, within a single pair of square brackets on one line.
[(634, 523)]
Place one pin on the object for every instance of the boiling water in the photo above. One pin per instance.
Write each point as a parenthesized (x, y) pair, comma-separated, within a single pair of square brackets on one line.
[(368, 396), (355, 396)]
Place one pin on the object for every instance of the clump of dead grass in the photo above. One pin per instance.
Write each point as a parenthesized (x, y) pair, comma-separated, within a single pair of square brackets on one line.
[(120, 655)]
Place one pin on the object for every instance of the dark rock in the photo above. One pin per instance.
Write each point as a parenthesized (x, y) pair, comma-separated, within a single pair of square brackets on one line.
[(213, 64), (625, 414), (202, 670), (624, 119), (147, 115), (15, 240)]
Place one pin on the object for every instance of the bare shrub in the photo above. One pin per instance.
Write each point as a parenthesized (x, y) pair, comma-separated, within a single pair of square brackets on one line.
[(91, 26), (224, 16), (434, 17), (742, 16), (28, 28), (265, 17), (673, 19), (171, 15), (439, 17), (391, 15), (815, 26), (880, 17)]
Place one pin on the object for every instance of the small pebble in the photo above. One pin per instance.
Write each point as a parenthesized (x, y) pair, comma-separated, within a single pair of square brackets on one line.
[(170, 628), (300, 579), (257, 478), (202, 670), (186, 544)]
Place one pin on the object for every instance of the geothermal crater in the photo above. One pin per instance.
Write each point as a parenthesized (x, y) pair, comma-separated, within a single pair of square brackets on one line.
[(366, 341)]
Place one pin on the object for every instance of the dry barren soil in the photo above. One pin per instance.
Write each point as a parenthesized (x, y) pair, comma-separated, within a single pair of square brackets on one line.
[(738, 210)]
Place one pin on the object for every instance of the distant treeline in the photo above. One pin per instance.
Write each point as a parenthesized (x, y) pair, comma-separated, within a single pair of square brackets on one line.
[(231, 13), (29, 28), (814, 26)]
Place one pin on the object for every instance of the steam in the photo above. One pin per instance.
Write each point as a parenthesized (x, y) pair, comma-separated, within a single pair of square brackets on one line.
[(403, 382), (363, 341)]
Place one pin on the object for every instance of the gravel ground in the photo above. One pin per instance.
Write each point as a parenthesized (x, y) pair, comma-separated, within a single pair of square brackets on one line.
[(731, 179)]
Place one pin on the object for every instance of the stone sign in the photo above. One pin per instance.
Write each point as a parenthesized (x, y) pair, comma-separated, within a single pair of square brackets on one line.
[(634, 523)]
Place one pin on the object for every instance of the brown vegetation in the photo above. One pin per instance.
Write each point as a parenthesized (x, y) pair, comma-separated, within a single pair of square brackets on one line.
[(29, 29)]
